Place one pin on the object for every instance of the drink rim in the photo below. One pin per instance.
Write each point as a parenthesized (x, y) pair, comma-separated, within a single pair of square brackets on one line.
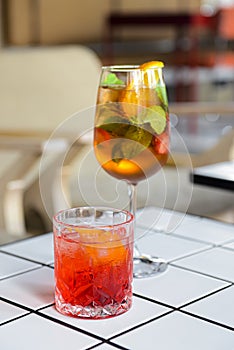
[(126, 68), (128, 214)]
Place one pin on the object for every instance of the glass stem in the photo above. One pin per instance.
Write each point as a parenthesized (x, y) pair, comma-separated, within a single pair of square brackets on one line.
[(132, 193)]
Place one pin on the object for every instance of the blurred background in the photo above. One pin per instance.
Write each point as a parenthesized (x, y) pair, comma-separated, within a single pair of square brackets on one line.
[(51, 52)]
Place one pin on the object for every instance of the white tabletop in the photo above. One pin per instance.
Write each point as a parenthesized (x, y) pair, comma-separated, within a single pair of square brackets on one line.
[(188, 307)]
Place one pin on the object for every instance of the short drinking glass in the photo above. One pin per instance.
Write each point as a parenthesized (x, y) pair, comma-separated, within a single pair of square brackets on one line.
[(93, 250)]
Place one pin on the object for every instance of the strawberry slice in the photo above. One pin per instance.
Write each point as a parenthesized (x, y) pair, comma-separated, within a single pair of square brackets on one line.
[(161, 143), (102, 135)]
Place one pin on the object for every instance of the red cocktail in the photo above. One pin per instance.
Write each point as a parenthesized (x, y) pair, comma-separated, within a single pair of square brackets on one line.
[(93, 262)]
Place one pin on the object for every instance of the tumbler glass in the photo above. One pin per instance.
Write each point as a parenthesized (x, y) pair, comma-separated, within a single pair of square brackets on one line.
[(93, 251)]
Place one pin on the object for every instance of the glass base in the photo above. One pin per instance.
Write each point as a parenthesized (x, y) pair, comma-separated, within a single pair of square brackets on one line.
[(92, 311), (148, 266)]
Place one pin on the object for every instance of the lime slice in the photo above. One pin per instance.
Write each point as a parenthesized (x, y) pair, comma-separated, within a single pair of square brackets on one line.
[(156, 117)]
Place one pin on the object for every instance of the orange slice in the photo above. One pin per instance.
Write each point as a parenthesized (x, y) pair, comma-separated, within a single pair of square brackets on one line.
[(151, 76), (151, 65), (133, 96), (134, 101), (108, 248), (146, 67), (107, 95)]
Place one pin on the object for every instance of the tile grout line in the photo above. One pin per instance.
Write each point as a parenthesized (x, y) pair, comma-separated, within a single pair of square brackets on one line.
[(193, 253), (178, 235), (25, 239), (45, 307), (190, 239), (80, 330), (21, 273), (216, 323), (21, 306), (177, 308), (226, 248), (105, 340), (24, 258), (38, 313), (14, 319), (26, 308), (201, 273), (115, 346), (154, 301), (209, 245), (204, 297), (108, 341), (180, 308), (140, 325)]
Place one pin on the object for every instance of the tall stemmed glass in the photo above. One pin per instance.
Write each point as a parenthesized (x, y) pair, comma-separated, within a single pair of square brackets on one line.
[(131, 137)]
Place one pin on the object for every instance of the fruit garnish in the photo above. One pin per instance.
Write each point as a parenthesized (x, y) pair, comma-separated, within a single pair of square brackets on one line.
[(103, 135), (129, 102), (108, 94), (100, 246), (136, 140), (115, 125), (145, 95), (151, 74), (132, 101), (156, 117), (161, 144), (152, 65), (112, 79)]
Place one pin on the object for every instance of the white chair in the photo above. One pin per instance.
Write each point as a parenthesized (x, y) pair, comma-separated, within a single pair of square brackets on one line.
[(39, 89)]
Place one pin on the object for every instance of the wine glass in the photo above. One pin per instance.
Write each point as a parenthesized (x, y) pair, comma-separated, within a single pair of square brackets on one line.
[(131, 134)]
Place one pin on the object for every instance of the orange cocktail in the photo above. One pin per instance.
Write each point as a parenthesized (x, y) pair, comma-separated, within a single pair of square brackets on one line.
[(93, 262), (131, 135)]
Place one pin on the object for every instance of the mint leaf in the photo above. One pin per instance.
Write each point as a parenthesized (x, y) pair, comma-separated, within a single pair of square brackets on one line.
[(115, 125), (156, 117), (126, 149), (112, 79), (136, 141), (139, 135), (104, 112)]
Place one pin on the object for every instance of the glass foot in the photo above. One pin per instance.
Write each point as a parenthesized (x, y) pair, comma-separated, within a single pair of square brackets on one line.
[(147, 266)]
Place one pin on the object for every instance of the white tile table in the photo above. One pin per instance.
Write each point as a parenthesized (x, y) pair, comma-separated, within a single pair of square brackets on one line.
[(189, 306)]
